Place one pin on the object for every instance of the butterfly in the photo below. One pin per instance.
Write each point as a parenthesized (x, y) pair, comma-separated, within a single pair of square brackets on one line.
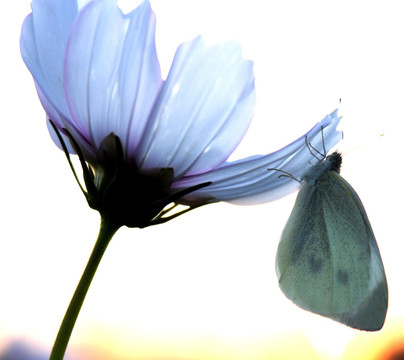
[(328, 261)]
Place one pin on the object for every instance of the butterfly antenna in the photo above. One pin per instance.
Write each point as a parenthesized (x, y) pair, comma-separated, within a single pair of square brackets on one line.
[(285, 174), (322, 137), (314, 151)]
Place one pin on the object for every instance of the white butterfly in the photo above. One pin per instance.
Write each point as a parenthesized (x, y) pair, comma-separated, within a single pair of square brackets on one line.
[(328, 261)]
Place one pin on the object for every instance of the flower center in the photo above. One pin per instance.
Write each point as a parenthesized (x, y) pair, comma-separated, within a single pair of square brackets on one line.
[(120, 192), (123, 194)]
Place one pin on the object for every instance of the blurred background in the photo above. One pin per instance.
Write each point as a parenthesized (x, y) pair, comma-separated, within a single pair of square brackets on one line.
[(203, 286)]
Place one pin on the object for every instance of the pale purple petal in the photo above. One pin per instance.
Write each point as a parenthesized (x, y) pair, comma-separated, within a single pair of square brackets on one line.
[(43, 42), (203, 110), (248, 181), (112, 74), (139, 74)]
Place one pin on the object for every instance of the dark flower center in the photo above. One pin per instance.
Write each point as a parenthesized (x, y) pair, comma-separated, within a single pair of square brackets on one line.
[(123, 194)]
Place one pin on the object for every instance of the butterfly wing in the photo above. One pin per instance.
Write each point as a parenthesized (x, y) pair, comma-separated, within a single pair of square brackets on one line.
[(328, 261)]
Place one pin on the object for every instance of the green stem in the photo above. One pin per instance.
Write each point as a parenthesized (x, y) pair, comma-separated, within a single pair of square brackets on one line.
[(106, 233)]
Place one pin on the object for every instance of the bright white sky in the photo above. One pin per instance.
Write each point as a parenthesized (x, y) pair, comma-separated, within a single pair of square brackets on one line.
[(207, 279)]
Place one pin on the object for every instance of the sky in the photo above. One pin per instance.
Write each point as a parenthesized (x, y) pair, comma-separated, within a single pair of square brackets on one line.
[(203, 286)]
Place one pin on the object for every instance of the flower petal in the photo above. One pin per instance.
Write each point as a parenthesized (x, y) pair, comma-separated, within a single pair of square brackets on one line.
[(43, 42), (112, 75), (248, 181), (139, 73), (203, 110)]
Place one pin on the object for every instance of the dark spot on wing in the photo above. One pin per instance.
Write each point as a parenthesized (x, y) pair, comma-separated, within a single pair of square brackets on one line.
[(315, 264), (342, 277)]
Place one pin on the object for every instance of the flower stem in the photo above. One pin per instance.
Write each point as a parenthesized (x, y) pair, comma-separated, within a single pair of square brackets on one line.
[(107, 231)]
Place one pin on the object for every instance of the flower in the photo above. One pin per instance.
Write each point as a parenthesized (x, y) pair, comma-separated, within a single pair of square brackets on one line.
[(143, 142)]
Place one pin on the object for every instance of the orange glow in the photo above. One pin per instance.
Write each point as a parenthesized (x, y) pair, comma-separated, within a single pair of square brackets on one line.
[(104, 344), (388, 344), (115, 344), (119, 343)]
